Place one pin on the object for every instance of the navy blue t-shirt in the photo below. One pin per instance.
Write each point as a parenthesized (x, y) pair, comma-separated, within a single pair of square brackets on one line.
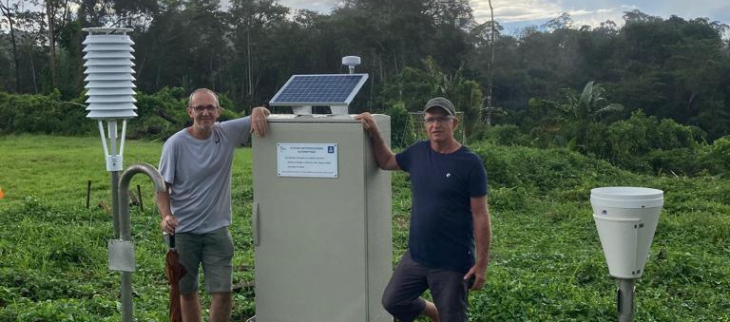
[(442, 229)]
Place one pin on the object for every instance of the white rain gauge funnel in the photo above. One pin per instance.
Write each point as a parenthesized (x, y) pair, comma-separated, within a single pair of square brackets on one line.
[(626, 219), (110, 88)]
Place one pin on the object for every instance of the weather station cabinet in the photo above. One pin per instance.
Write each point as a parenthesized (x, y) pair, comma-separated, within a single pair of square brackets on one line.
[(321, 219)]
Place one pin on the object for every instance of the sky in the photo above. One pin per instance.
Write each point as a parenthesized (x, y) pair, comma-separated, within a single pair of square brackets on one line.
[(516, 14)]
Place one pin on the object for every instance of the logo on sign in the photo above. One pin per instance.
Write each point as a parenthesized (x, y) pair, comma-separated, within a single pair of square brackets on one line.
[(331, 149)]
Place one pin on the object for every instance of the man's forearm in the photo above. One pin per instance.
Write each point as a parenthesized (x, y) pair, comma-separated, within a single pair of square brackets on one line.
[(383, 155), (482, 239), (163, 204), (380, 149)]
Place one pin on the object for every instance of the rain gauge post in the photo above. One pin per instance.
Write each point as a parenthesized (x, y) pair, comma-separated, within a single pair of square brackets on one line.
[(110, 88), (626, 219)]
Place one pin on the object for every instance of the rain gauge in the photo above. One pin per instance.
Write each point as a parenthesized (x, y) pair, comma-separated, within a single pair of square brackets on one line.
[(626, 219), (321, 214)]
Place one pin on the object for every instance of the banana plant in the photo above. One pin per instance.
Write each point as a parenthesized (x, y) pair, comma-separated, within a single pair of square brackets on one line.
[(592, 104)]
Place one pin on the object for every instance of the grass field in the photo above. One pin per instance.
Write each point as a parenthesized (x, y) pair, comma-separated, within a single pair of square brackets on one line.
[(546, 263)]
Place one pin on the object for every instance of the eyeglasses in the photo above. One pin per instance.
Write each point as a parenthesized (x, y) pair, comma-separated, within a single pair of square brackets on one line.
[(204, 108), (440, 119)]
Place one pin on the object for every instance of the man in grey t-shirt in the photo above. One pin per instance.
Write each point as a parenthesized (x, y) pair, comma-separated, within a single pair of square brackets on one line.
[(196, 165)]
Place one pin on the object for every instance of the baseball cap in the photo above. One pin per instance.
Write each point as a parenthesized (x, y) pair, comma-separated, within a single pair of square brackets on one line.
[(442, 103)]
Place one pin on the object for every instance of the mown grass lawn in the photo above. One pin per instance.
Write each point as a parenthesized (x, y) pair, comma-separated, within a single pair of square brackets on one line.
[(546, 263)]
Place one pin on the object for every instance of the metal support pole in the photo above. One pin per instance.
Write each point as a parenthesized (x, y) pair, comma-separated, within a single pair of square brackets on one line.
[(127, 304), (88, 194), (125, 224), (115, 202), (625, 299)]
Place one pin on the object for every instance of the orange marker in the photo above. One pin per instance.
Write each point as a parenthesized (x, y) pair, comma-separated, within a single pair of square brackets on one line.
[(2, 195)]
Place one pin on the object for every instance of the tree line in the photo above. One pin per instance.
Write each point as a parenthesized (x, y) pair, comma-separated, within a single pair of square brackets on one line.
[(556, 83)]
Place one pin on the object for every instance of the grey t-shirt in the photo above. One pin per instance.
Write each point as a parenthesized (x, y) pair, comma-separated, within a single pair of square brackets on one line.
[(200, 174)]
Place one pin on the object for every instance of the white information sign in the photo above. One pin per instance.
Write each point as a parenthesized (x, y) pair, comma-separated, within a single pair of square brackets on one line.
[(310, 160)]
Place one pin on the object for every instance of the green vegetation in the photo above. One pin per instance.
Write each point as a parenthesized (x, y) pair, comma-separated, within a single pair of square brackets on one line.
[(641, 143), (54, 249), (670, 67), (555, 110), (546, 262), (650, 95), (159, 115)]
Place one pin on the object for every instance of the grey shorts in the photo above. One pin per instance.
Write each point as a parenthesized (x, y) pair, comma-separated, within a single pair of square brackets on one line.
[(402, 296), (215, 251)]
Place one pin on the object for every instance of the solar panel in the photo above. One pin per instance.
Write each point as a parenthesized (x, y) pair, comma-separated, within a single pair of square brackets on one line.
[(319, 90)]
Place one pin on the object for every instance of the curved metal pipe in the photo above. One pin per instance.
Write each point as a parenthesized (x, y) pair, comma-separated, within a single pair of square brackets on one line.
[(125, 223), (125, 232)]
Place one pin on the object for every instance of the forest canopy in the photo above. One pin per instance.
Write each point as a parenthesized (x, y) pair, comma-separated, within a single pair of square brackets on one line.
[(557, 84)]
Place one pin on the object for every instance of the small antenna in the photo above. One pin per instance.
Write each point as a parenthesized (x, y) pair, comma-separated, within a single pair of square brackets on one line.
[(351, 62)]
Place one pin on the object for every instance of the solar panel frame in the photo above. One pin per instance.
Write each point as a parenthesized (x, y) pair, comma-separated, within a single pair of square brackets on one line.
[(309, 90)]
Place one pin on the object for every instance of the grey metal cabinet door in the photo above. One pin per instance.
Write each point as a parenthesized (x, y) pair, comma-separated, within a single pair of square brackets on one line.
[(310, 233)]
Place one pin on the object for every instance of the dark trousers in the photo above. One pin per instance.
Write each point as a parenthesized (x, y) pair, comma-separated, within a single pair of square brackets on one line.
[(410, 279)]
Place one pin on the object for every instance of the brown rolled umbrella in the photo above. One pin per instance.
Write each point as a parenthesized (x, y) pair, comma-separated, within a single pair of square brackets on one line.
[(174, 272)]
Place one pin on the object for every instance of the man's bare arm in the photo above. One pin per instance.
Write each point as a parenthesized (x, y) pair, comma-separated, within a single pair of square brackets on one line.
[(168, 222), (383, 155), (482, 241)]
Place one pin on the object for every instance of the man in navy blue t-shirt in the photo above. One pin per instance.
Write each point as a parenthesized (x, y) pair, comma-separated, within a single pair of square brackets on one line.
[(449, 216)]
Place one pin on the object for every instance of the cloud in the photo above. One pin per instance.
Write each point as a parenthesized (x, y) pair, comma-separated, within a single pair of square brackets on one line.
[(320, 6), (543, 10), (512, 11), (515, 15), (594, 18), (505, 11), (583, 12)]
